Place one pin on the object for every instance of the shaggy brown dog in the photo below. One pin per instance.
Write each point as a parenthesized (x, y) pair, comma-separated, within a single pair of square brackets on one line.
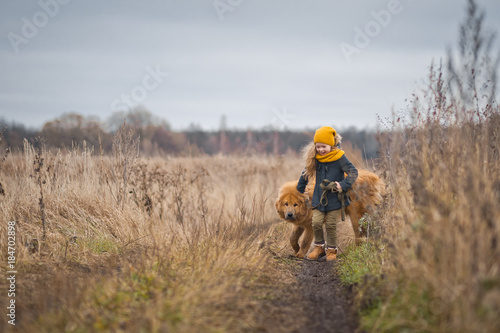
[(292, 206)]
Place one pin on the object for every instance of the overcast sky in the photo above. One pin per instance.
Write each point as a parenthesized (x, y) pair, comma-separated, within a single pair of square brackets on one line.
[(285, 63)]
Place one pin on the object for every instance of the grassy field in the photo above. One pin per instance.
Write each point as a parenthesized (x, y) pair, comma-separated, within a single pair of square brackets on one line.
[(125, 243), (137, 244)]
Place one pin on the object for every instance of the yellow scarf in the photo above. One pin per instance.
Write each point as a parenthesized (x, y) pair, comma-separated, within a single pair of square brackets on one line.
[(331, 156)]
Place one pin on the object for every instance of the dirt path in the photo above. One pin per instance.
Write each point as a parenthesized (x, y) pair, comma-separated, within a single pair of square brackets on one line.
[(314, 302), (329, 306)]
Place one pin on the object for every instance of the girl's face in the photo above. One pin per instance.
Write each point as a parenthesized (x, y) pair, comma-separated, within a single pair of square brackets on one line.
[(323, 148)]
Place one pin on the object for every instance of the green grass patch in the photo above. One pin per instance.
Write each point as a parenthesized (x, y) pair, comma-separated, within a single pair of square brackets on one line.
[(357, 262), (100, 245), (400, 307), (410, 308)]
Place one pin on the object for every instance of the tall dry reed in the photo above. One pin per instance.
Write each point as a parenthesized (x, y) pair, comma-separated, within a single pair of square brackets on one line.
[(442, 167)]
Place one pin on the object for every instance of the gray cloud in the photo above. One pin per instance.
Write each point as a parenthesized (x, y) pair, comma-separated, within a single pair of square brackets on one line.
[(263, 56)]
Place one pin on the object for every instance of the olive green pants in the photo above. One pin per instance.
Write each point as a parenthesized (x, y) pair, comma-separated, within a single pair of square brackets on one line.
[(330, 220)]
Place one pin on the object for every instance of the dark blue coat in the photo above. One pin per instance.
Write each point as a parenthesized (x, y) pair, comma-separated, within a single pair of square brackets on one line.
[(333, 171)]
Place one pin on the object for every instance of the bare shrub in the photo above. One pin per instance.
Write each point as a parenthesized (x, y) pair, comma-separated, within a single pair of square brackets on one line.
[(124, 158)]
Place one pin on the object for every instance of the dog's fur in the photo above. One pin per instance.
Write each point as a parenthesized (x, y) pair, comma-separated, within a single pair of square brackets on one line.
[(292, 206)]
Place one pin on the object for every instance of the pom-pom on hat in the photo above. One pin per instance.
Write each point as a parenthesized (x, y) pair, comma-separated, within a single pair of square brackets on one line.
[(326, 135)]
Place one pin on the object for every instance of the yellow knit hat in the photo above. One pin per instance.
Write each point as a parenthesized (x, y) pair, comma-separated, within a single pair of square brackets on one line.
[(326, 135)]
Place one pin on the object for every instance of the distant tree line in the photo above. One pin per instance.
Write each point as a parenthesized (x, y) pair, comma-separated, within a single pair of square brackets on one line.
[(157, 137)]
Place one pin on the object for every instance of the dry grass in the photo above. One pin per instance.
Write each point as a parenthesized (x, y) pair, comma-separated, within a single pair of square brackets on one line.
[(441, 162), (123, 243), (133, 244), (442, 218)]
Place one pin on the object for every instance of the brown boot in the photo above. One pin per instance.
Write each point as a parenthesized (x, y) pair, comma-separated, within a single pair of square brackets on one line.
[(316, 253), (331, 253)]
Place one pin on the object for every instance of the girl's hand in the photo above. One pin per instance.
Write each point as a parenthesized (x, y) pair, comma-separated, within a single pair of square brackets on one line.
[(339, 188)]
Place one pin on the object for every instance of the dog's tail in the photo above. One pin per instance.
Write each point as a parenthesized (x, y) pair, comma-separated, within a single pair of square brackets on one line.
[(368, 189)]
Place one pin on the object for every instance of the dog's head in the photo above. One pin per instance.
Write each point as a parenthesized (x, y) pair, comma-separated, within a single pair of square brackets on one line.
[(291, 205)]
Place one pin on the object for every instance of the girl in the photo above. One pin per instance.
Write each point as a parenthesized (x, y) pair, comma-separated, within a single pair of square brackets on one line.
[(326, 163)]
